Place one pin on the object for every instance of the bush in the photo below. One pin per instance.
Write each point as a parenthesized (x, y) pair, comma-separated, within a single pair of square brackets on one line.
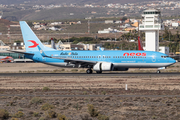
[(102, 117), (51, 114), (4, 114), (92, 111), (14, 119), (74, 70), (41, 118), (36, 114), (45, 89), (19, 114), (61, 117), (36, 100), (47, 106)]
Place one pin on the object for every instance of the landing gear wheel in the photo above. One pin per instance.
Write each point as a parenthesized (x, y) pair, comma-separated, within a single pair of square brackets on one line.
[(98, 72), (158, 71), (88, 71)]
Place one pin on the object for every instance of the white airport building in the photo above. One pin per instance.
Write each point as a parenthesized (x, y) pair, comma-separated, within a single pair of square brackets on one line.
[(151, 25)]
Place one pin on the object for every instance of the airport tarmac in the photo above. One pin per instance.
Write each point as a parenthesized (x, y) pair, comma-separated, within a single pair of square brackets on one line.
[(164, 74)]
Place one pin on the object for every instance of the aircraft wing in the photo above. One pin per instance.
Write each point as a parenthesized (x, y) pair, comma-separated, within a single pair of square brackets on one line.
[(75, 61), (68, 60)]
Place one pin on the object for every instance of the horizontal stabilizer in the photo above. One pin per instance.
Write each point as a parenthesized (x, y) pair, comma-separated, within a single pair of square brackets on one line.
[(21, 52)]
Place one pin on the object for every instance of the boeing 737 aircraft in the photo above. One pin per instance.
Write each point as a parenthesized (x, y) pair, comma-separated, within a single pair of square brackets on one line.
[(114, 60)]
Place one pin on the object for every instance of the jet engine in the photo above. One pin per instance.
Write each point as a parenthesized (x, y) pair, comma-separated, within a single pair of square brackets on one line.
[(104, 66)]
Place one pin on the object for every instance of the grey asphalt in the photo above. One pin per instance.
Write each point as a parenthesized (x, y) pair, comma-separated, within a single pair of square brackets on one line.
[(165, 74)]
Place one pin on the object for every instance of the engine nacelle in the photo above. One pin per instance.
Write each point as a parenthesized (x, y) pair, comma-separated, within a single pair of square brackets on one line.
[(104, 66)]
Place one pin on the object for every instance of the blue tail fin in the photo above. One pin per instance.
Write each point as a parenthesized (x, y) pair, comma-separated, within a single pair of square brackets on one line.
[(31, 41)]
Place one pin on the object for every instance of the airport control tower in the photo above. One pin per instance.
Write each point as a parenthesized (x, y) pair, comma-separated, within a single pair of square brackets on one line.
[(151, 25)]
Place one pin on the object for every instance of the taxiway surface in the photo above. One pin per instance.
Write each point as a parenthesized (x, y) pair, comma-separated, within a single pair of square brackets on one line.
[(165, 74)]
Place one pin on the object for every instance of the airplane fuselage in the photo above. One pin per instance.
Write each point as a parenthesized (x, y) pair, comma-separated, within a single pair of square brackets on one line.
[(128, 59)]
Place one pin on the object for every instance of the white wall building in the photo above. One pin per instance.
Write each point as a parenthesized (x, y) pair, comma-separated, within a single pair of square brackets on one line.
[(151, 25), (164, 49), (175, 24)]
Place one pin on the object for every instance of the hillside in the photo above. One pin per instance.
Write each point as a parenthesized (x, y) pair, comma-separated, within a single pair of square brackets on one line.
[(55, 14), (48, 2)]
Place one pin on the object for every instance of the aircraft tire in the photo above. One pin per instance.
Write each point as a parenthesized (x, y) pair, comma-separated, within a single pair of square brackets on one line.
[(158, 71), (88, 71)]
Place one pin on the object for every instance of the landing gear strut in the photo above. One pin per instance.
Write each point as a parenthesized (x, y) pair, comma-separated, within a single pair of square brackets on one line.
[(158, 71), (88, 71)]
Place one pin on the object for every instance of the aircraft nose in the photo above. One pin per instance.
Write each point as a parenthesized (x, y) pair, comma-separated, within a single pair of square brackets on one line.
[(173, 61)]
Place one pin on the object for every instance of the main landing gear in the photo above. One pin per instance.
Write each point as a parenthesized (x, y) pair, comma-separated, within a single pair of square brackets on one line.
[(89, 71), (158, 71)]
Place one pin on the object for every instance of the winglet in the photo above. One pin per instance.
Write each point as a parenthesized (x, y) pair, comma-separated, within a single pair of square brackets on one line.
[(101, 49), (140, 44)]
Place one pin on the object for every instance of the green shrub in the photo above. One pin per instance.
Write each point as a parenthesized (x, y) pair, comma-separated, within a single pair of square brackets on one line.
[(19, 114), (104, 92), (35, 114), (102, 117), (4, 114), (41, 118), (14, 119), (47, 106), (61, 117), (45, 89), (92, 111), (36, 100), (85, 93), (74, 70), (51, 114), (76, 106)]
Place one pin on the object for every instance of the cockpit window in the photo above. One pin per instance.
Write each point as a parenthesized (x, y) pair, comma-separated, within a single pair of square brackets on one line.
[(164, 56)]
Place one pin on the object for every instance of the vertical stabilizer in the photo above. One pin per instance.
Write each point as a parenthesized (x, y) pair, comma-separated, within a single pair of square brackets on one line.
[(53, 43), (31, 41)]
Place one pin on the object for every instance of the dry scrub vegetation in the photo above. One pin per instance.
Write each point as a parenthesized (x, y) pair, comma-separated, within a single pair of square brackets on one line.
[(92, 98)]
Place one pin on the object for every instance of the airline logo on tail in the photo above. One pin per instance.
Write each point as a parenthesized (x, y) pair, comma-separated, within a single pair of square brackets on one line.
[(34, 44)]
